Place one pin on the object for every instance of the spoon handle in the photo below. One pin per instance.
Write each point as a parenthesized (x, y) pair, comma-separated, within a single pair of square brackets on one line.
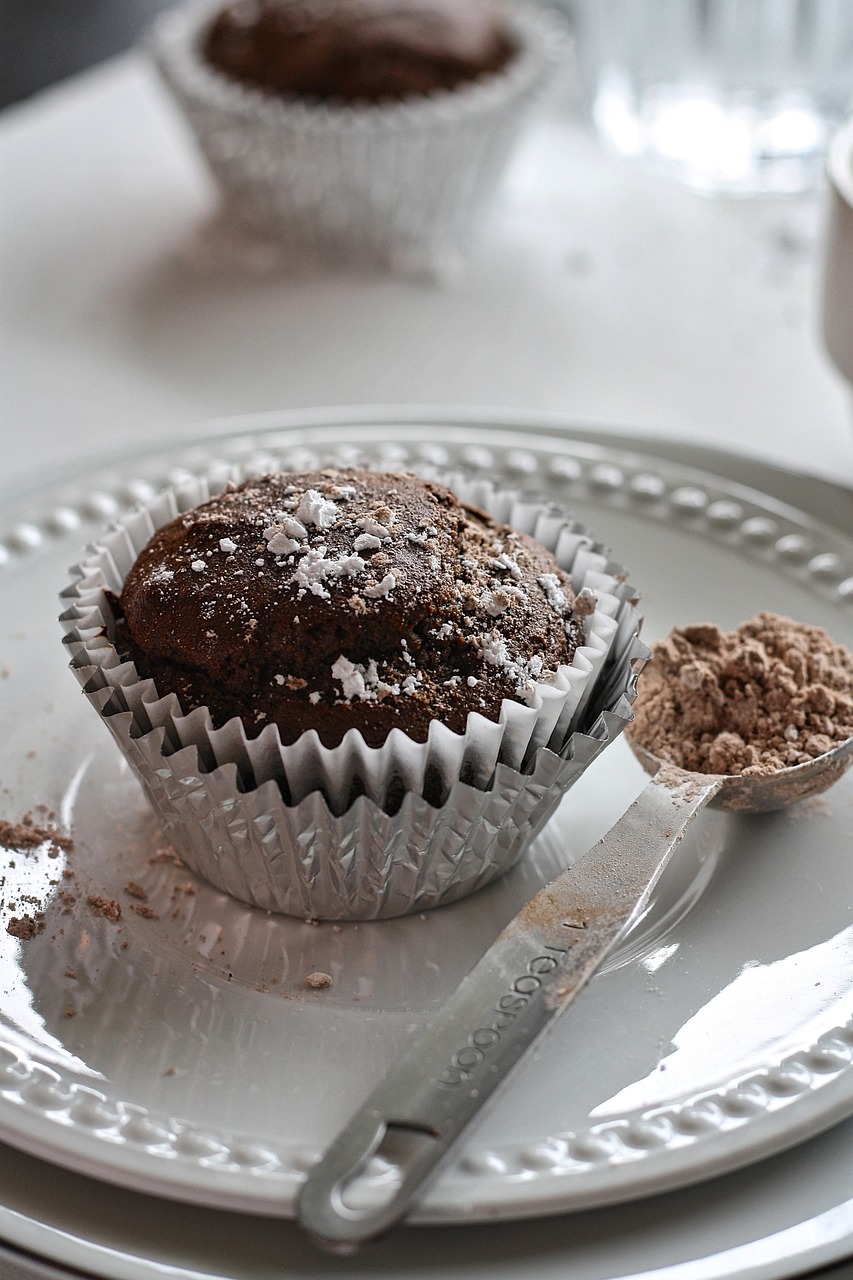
[(528, 976)]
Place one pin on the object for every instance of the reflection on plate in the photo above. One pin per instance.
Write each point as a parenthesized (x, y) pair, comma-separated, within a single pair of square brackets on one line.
[(179, 1050)]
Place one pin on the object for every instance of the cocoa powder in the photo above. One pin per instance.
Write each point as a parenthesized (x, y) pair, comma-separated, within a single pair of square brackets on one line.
[(27, 835), (106, 907), (25, 927), (771, 694)]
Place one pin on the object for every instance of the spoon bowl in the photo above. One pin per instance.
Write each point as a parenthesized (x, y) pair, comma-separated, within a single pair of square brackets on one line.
[(759, 792)]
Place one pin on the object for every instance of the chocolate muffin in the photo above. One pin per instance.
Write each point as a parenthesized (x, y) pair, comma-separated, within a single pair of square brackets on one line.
[(357, 50), (345, 599)]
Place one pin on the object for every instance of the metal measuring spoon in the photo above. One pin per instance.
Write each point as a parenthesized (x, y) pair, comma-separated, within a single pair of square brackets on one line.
[(529, 975)]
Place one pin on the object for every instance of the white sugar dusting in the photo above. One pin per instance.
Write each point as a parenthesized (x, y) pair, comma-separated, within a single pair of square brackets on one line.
[(507, 564), (198, 566), (316, 568), (494, 649), (285, 535), (280, 545), (367, 542), (364, 683), (380, 590), (294, 528), (353, 677), (554, 593), (523, 673), (228, 545), (498, 601), (317, 510), (374, 527)]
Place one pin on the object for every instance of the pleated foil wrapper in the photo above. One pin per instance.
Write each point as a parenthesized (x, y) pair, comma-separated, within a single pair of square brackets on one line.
[(356, 832), (401, 185)]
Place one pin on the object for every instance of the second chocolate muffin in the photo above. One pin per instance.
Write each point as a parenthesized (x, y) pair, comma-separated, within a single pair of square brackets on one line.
[(358, 50), (346, 599)]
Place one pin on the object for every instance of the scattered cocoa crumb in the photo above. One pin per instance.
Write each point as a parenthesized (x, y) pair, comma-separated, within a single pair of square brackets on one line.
[(106, 907), (318, 981), (24, 927), (135, 890), (164, 855), (69, 973), (142, 910), (771, 694), (27, 834), (586, 603)]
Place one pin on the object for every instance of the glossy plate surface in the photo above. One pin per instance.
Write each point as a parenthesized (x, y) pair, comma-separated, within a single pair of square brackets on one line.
[(179, 1049)]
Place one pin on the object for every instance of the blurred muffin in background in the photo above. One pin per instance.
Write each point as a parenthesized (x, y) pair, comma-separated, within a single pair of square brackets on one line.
[(368, 131), (358, 50)]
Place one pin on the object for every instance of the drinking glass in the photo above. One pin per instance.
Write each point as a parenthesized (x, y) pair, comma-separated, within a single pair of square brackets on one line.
[(733, 96)]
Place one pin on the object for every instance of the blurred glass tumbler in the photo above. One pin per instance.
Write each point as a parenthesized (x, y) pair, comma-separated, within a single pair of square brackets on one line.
[(732, 96)]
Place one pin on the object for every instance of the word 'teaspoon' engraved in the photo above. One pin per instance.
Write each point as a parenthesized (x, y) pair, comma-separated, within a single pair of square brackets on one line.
[(475, 1050)]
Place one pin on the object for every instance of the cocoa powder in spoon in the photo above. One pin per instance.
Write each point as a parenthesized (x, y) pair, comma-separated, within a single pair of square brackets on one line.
[(770, 694)]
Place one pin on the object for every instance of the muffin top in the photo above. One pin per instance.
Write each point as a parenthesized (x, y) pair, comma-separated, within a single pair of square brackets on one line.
[(342, 599), (357, 50)]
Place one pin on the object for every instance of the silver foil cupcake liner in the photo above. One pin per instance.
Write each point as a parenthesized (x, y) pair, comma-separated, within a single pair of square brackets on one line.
[(356, 832), (400, 185)]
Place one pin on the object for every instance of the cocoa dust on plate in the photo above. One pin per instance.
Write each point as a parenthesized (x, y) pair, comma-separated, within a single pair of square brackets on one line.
[(25, 837), (28, 837)]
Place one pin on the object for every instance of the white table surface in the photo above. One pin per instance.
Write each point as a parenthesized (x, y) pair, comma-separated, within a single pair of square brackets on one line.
[(596, 291), (129, 313)]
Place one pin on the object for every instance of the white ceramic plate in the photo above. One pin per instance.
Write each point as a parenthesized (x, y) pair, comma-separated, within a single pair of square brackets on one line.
[(780, 1218), (180, 1052)]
